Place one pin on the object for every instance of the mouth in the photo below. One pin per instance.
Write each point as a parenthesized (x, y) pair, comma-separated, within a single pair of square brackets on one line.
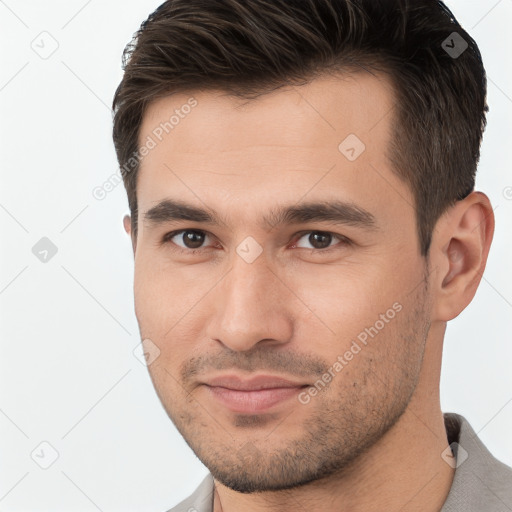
[(252, 396)]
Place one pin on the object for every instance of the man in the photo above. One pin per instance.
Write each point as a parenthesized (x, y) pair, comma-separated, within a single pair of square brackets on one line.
[(304, 223)]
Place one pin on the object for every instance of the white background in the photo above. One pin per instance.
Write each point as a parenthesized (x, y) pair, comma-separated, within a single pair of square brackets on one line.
[(68, 375)]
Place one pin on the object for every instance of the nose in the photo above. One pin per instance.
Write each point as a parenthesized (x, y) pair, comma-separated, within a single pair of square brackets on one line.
[(251, 306)]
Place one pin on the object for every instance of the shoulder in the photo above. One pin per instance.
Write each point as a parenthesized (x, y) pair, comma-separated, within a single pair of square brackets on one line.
[(481, 482)]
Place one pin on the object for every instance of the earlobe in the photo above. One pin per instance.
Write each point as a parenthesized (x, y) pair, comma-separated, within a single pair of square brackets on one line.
[(462, 241)]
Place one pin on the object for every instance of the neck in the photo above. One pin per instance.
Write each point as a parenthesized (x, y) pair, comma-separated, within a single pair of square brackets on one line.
[(404, 470)]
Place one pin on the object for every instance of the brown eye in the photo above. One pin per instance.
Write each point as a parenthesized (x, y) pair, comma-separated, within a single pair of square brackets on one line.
[(193, 239), (318, 240), (187, 238)]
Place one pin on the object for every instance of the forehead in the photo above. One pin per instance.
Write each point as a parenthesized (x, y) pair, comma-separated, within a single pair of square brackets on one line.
[(313, 114), (330, 135)]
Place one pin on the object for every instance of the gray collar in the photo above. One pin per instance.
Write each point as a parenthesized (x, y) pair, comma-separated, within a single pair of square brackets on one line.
[(481, 482)]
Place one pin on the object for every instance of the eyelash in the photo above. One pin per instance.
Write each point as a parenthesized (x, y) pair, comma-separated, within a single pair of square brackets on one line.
[(343, 241)]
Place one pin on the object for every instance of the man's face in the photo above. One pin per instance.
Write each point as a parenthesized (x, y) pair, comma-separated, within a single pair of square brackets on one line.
[(335, 306)]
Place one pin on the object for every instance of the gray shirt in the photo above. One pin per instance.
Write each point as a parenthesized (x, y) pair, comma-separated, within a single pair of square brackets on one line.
[(481, 482)]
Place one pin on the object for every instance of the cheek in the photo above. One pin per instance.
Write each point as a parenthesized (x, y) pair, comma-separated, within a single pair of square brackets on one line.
[(168, 303), (340, 303), (380, 360), (163, 294)]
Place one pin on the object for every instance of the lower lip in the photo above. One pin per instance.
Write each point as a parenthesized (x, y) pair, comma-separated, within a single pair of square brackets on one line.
[(252, 401)]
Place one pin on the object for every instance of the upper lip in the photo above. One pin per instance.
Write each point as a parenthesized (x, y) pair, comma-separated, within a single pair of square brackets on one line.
[(251, 384)]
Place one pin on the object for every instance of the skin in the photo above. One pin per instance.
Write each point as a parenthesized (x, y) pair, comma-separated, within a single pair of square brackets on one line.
[(372, 439)]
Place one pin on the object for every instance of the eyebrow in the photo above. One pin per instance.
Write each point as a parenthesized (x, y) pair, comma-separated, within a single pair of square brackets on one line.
[(335, 212)]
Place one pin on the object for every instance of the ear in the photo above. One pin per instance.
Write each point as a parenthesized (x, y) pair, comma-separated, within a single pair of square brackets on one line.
[(127, 223), (458, 254)]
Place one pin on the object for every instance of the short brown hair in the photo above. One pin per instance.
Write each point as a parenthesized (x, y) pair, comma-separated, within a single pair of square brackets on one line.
[(250, 47)]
